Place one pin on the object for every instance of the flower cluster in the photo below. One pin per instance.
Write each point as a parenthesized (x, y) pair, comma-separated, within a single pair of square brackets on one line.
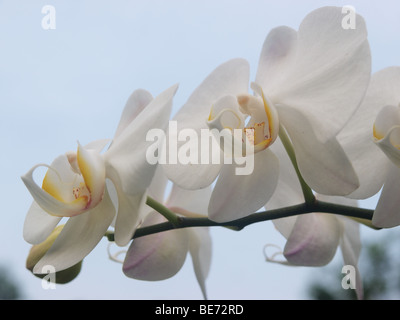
[(316, 125)]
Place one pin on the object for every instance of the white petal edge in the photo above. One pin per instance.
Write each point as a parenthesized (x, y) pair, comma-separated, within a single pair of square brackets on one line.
[(79, 237), (236, 196), (38, 224), (313, 240), (158, 256), (200, 249), (324, 166), (387, 212), (230, 78), (137, 101)]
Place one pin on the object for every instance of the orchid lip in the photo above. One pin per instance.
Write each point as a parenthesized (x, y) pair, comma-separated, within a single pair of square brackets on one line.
[(261, 128), (82, 190)]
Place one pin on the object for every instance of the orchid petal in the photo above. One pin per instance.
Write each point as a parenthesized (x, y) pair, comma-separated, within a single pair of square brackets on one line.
[(92, 168), (236, 196), (277, 54), (329, 75), (324, 166), (288, 191), (131, 210), (49, 202), (201, 251), (136, 103), (313, 240), (390, 145), (225, 114), (132, 167), (387, 118), (38, 224), (58, 196), (129, 169), (97, 145), (194, 201), (387, 212), (230, 78), (157, 256), (158, 185), (356, 138), (78, 237), (387, 132), (350, 245)]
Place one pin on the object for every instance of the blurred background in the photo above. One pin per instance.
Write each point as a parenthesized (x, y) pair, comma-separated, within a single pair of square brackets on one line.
[(71, 83)]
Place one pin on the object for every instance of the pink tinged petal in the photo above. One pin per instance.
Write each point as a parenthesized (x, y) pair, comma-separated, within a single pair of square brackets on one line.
[(158, 256), (229, 79), (79, 237), (200, 249), (387, 212), (38, 224), (324, 165), (329, 76), (237, 196), (313, 240), (136, 103)]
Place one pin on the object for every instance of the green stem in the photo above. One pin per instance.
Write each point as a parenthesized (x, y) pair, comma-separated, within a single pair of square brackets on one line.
[(167, 213), (307, 192), (359, 214)]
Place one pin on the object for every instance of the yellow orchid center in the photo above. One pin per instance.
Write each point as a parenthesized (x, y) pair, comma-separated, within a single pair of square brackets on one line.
[(73, 184), (263, 124), (255, 117)]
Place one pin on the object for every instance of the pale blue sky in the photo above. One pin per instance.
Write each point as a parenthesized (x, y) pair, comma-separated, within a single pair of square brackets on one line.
[(68, 84)]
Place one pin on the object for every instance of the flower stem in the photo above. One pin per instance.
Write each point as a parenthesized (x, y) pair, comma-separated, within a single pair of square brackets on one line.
[(307, 192), (359, 214), (167, 213)]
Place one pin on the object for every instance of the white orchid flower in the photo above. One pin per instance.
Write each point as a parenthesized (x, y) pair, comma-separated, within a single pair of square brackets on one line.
[(313, 238), (385, 97), (309, 82), (75, 186), (374, 125), (160, 256)]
